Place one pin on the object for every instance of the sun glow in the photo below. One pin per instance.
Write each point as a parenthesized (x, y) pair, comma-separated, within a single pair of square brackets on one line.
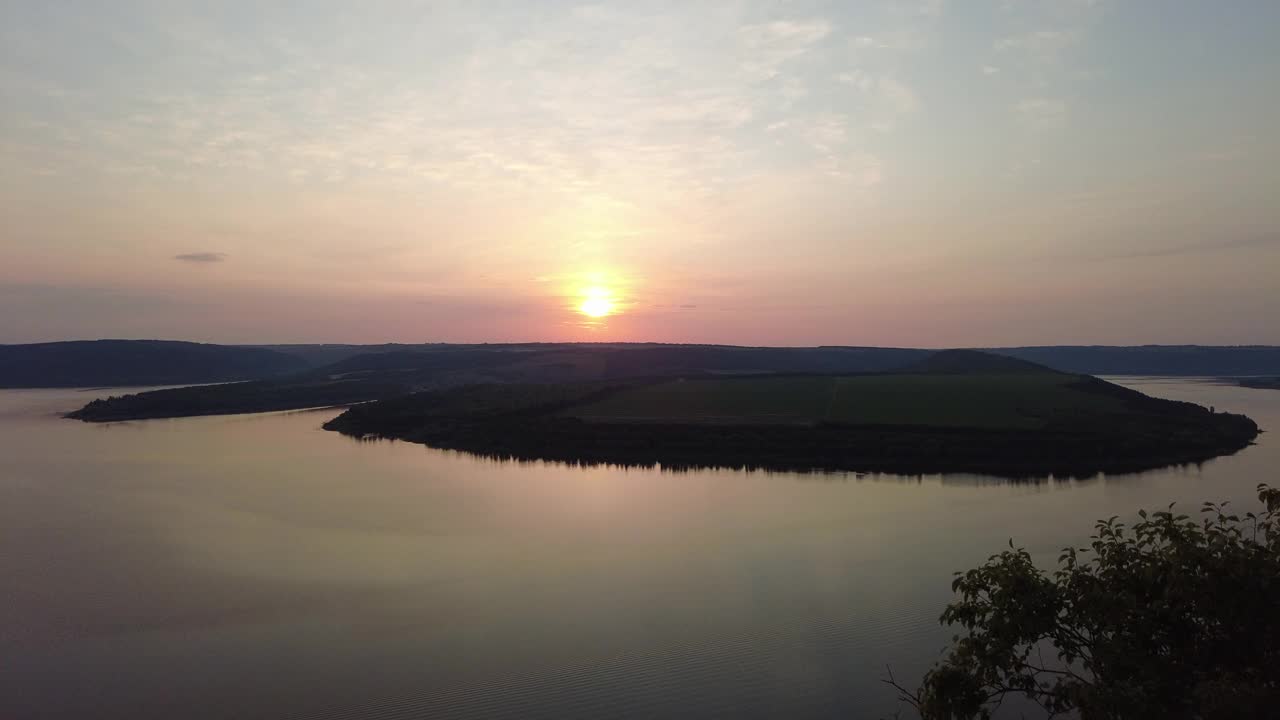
[(597, 303)]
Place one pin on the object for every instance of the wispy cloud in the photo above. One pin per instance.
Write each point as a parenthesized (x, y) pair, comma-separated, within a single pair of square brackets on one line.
[(1041, 112), (654, 105), (770, 45), (201, 257), (1039, 43), (885, 99), (1212, 245), (930, 8), (459, 149)]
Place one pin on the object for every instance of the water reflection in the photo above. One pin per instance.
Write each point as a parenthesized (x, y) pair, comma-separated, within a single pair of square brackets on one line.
[(260, 566), (808, 474)]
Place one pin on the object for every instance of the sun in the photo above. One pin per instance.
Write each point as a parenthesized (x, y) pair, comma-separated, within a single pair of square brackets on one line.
[(598, 303), (596, 307)]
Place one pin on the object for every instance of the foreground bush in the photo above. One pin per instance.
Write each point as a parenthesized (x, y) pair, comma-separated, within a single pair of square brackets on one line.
[(1171, 618)]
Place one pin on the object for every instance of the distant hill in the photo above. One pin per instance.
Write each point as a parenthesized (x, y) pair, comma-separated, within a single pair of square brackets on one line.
[(630, 359), (959, 362), (156, 362), (96, 363), (409, 369), (321, 355), (393, 370), (422, 361), (1185, 360), (667, 360)]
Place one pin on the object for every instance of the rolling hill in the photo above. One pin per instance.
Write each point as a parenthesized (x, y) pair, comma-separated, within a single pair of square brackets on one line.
[(123, 363), (970, 413), (377, 376)]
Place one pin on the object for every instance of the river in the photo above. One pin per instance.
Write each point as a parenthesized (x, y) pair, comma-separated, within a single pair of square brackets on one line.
[(255, 566)]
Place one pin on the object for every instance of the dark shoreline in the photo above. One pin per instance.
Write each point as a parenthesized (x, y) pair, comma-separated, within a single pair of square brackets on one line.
[(227, 399), (1122, 431), (822, 448)]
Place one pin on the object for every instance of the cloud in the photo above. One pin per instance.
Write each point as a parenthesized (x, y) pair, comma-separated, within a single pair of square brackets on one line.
[(900, 98), (887, 99), (794, 32), (201, 257), (669, 105), (1043, 44), (1265, 240), (770, 46), (930, 8), (903, 40), (1041, 112)]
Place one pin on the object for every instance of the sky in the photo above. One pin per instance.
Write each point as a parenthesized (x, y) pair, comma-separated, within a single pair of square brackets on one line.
[(924, 173)]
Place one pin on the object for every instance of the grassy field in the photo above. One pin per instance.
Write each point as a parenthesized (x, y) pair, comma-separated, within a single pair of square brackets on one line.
[(998, 401), (774, 399)]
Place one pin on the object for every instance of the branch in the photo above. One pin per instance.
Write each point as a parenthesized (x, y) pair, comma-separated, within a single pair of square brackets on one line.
[(904, 695)]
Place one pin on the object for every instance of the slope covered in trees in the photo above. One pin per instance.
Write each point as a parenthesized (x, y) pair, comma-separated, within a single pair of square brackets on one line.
[(121, 363), (1031, 422), (375, 376), (1173, 617)]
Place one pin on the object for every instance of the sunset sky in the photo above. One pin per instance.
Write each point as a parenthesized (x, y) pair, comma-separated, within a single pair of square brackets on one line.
[(903, 172)]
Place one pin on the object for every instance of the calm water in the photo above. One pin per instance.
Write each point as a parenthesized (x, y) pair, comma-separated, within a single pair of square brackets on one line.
[(258, 567)]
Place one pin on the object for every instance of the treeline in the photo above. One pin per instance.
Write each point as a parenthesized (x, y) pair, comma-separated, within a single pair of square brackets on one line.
[(1184, 360), (260, 396), (120, 363), (897, 449), (526, 425), (471, 403)]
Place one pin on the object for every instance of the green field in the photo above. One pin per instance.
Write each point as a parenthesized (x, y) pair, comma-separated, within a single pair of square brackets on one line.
[(964, 400)]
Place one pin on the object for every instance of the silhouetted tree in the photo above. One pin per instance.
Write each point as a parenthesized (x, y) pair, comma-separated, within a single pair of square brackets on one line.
[(1171, 618)]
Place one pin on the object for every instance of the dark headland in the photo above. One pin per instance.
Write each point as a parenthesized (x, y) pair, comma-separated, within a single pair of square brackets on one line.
[(119, 363), (400, 370), (123, 363), (955, 411), (859, 409)]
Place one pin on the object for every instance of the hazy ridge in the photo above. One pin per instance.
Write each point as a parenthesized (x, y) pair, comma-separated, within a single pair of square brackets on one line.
[(157, 362)]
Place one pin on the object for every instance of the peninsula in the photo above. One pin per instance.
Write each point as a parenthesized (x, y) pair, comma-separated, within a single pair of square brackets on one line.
[(957, 411)]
